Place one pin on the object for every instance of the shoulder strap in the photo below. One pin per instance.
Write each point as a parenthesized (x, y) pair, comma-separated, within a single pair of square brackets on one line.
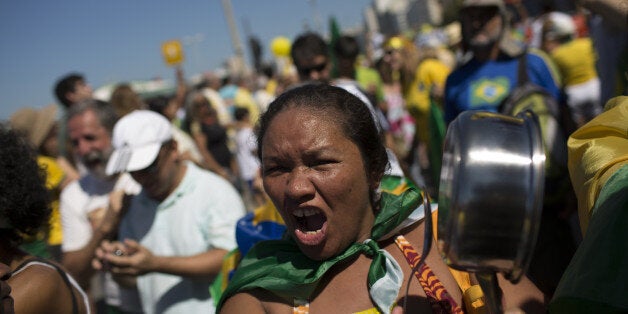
[(440, 300), (59, 270), (522, 73)]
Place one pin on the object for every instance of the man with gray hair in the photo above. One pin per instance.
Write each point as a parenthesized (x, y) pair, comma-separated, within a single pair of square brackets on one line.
[(90, 209)]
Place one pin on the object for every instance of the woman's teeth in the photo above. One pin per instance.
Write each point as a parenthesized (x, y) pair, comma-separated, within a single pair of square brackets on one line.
[(305, 212)]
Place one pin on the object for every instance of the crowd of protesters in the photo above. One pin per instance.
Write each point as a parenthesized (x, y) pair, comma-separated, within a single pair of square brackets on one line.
[(140, 197)]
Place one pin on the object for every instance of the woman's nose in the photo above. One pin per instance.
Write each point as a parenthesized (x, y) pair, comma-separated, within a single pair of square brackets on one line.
[(299, 185)]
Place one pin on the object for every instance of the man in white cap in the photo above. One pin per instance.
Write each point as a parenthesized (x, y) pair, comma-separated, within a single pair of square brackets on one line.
[(178, 229)]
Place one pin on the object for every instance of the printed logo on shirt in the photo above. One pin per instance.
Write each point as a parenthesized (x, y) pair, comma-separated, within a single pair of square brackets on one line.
[(489, 92)]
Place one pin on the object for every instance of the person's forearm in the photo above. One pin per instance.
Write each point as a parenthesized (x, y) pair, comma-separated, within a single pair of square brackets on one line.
[(79, 263), (126, 281), (204, 266)]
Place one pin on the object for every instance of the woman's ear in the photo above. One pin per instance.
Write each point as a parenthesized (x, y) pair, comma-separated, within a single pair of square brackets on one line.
[(174, 147)]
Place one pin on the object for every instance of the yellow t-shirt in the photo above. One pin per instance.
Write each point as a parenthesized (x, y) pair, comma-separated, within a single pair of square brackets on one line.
[(430, 73), (575, 61), (54, 177)]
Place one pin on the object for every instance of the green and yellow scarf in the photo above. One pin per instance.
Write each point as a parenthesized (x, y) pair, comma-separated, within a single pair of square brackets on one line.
[(280, 267)]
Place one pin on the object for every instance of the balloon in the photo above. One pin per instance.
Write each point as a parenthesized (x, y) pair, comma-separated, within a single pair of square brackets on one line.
[(280, 46)]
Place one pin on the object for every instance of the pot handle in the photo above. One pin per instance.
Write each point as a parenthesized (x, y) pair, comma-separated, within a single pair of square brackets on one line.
[(492, 291)]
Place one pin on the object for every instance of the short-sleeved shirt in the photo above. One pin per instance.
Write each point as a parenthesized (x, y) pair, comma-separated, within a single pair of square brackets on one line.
[(246, 144), (483, 85), (575, 61), (80, 201), (54, 178), (198, 216)]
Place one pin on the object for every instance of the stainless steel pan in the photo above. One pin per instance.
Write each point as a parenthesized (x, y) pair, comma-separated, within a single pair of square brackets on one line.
[(491, 192)]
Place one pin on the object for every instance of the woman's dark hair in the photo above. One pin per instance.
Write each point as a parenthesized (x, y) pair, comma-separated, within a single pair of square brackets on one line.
[(344, 108), (24, 199), (158, 103), (240, 113)]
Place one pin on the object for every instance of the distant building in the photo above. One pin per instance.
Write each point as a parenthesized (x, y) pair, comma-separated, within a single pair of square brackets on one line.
[(390, 17)]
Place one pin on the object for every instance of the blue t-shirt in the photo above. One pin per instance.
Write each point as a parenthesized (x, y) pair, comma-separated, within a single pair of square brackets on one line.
[(483, 85)]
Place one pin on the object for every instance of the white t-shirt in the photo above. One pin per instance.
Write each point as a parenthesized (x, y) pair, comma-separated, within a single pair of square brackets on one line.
[(246, 145), (84, 198), (198, 216)]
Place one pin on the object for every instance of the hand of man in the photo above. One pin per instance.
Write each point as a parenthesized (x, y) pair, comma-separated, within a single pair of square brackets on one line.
[(100, 262), (118, 205), (128, 258)]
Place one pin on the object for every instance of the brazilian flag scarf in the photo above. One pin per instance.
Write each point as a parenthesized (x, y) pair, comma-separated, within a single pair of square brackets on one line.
[(280, 267)]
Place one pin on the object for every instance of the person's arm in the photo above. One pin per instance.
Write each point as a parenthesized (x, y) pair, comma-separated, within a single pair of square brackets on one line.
[(242, 303), (138, 260), (79, 262), (524, 295), (71, 174), (182, 89)]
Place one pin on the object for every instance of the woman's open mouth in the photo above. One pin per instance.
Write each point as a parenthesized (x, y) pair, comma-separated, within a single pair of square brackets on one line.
[(310, 226)]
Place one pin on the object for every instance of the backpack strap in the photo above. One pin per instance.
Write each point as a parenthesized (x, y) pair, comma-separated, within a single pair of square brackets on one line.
[(522, 73)]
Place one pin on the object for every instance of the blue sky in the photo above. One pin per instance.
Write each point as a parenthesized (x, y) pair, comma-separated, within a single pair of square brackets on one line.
[(112, 41)]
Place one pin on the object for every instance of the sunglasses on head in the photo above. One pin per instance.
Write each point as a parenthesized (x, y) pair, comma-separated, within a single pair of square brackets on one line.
[(315, 68)]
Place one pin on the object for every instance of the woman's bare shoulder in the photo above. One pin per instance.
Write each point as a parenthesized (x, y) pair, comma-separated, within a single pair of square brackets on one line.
[(39, 289)]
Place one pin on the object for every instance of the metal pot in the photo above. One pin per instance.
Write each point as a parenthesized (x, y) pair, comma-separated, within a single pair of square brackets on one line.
[(491, 192)]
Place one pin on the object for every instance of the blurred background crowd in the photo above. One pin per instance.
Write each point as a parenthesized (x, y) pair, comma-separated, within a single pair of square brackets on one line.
[(405, 62)]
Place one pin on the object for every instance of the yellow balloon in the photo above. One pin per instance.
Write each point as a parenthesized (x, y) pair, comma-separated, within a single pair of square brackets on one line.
[(280, 46)]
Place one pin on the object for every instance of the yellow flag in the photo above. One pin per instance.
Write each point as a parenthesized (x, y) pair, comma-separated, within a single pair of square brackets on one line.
[(172, 52), (596, 150)]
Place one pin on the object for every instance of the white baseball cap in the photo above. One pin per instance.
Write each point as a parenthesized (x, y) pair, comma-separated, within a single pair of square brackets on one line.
[(559, 25), (137, 139)]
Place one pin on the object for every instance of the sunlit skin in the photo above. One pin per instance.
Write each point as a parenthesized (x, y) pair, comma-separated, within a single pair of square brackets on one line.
[(309, 164), (82, 91), (161, 178), (91, 141)]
